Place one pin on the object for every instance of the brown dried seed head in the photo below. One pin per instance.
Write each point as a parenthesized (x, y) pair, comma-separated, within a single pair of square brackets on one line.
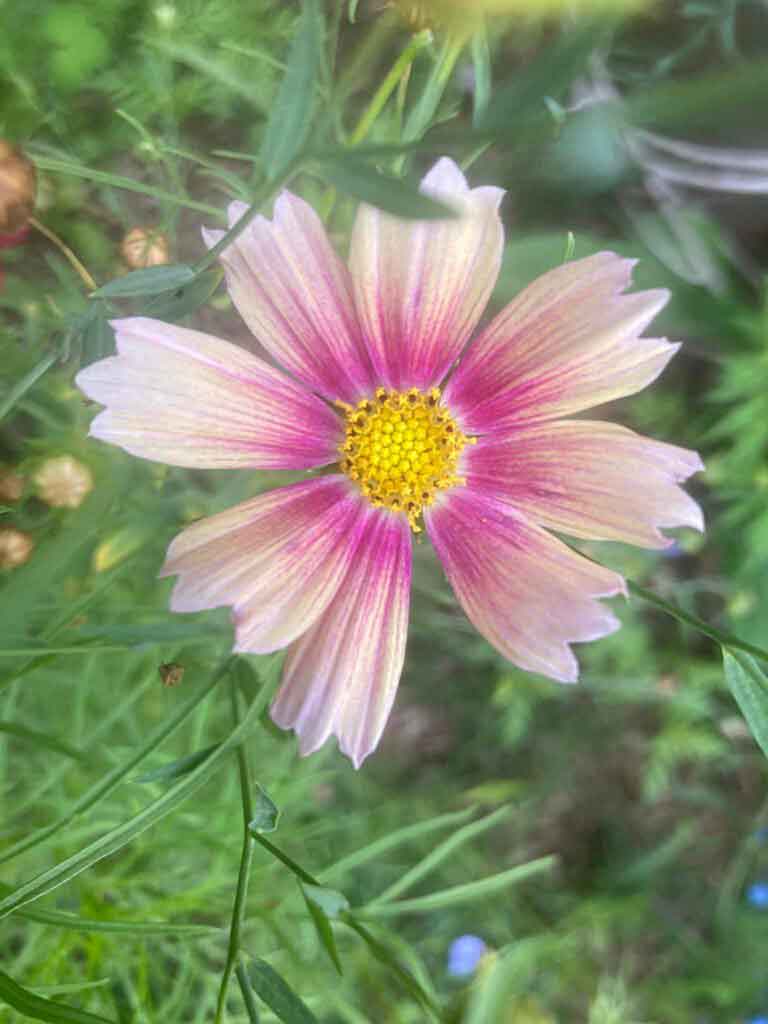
[(11, 484), (63, 482), (144, 247), (18, 188), (15, 548)]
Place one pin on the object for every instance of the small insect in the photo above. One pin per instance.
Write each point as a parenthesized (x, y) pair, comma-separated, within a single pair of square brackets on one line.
[(171, 673)]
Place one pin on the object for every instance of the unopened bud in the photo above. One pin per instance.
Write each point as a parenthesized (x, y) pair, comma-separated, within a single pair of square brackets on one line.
[(11, 484), (144, 247), (18, 187), (15, 548), (63, 482)]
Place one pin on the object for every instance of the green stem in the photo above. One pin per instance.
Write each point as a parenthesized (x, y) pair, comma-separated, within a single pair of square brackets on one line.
[(247, 993), (724, 639), (396, 73), (422, 115), (262, 196), (244, 873)]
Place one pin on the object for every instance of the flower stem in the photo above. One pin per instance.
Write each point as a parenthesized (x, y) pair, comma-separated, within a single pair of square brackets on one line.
[(392, 79), (724, 639), (246, 861), (74, 262)]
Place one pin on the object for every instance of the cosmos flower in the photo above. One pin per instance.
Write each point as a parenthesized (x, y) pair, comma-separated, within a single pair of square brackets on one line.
[(475, 452)]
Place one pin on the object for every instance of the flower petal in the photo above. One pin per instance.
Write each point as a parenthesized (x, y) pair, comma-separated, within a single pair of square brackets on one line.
[(588, 479), (421, 286), (340, 678), (294, 293), (524, 590), (188, 399), (276, 560), (569, 341)]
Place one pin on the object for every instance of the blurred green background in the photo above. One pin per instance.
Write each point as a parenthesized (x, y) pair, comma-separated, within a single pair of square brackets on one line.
[(647, 136)]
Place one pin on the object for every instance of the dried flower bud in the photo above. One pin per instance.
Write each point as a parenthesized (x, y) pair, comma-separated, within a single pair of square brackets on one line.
[(171, 673), (18, 187), (63, 482), (11, 484), (144, 247), (15, 548)]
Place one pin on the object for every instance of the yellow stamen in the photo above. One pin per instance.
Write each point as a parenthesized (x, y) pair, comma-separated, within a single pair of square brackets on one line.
[(401, 448)]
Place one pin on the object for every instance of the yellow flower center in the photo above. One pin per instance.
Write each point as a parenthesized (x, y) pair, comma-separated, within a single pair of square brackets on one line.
[(401, 448)]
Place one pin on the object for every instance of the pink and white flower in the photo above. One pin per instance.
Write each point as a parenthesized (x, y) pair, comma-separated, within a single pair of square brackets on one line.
[(380, 378)]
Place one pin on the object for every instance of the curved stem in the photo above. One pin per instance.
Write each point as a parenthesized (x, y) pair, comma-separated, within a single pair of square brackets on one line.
[(244, 873), (64, 249), (724, 639)]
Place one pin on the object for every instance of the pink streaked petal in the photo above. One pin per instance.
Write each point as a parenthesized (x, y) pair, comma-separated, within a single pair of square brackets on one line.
[(524, 590), (569, 341), (294, 293), (421, 286), (188, 399), (594, 480), (340, 678), (276, 560)]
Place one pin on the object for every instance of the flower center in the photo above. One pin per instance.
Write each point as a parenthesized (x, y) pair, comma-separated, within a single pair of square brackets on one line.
[(401, 448)]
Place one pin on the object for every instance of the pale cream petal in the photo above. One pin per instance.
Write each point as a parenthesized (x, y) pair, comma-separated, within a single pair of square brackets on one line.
[(524, 590), (340, 678), (569, 341), (599, 481), (422, 286), (294, 293), (188, 399), (276, 560)]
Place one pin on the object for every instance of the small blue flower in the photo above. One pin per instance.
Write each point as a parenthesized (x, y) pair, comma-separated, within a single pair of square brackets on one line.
[(762, 1019), (757, 895), (464, 955)]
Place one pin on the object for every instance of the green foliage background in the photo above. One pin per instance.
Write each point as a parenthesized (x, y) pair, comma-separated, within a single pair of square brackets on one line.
[(643, 782)]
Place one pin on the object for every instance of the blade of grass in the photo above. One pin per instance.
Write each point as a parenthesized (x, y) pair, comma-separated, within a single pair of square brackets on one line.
[(459, 893), (439, 854), (155, 811)]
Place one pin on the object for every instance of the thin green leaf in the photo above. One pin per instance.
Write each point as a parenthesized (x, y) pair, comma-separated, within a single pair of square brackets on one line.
[(175, 769), (481, 66), (43, 739), (38, 1008), (118, 837), (112, 779), (724, 639), (323, 905), (265, 814), (460, 893), (247, 993), (289, 122), (362, 180), (385, 956), (388, 842), (98, 339), (441, 853), (20, 389), (186, 299), (54, 165), (749, 686), (523, 98), (149, 281), (278, 994)]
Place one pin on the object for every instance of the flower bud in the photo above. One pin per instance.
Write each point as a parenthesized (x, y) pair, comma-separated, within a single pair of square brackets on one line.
[(18, 187), (11, 484), (144, 247), (15, 548), (63, 482)]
